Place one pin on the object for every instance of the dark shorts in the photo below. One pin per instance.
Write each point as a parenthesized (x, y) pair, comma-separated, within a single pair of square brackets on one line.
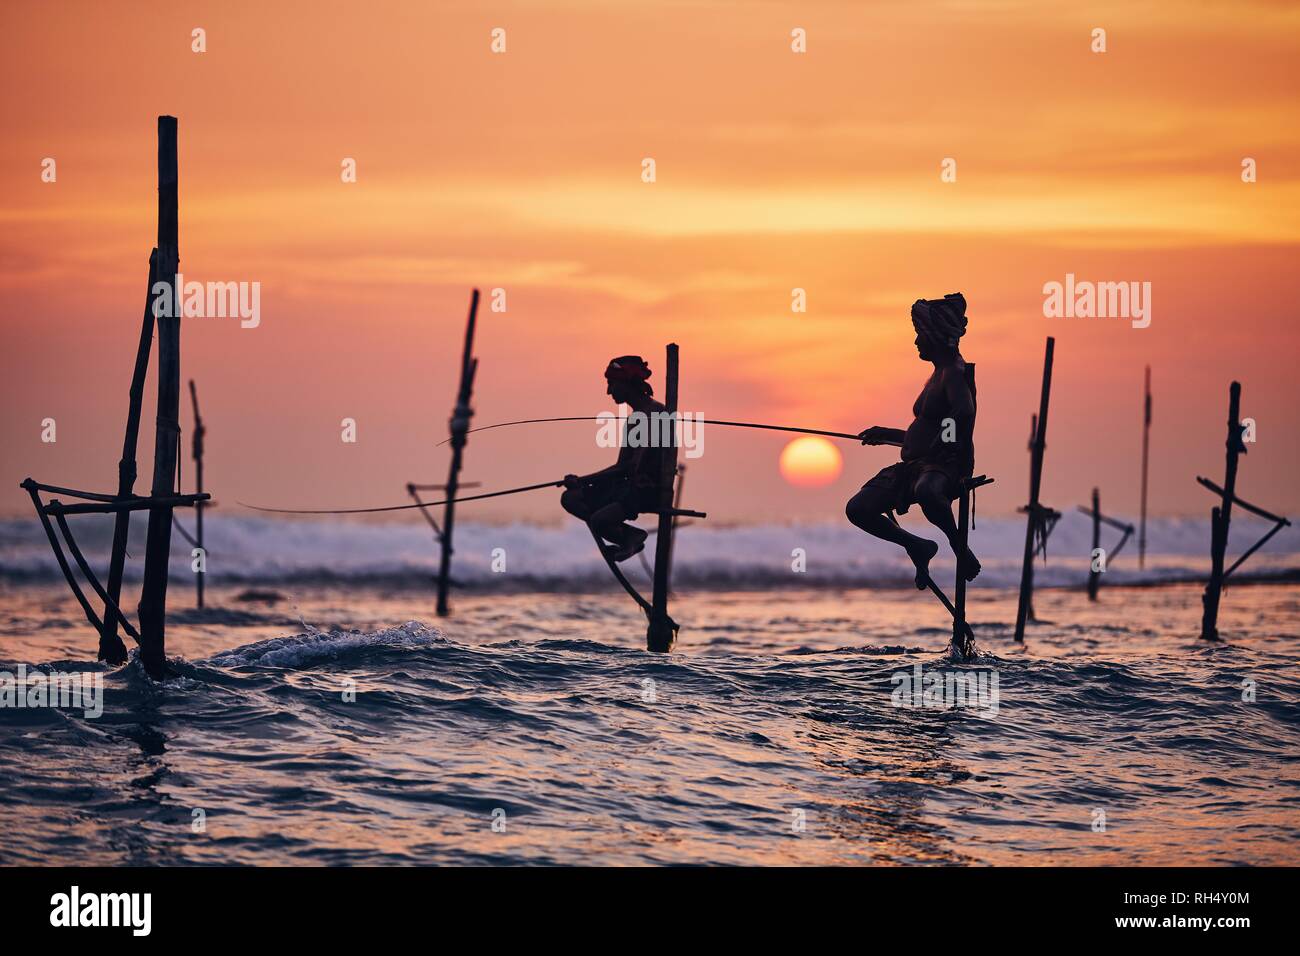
[(587, 499), (899, 481)]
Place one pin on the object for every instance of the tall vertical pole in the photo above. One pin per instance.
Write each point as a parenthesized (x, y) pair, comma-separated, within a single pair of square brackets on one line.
[(1035, 484), (460, 417), (1221, 517), (153, 596), (677, 503), (960, 640), (661, 634), (1033, 431), (1146, 448), (1094, 576), (111, 648), (197, 450)]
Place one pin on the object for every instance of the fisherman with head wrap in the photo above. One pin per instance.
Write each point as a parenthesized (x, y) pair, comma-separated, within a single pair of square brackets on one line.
[(609, 498), (938, 450)]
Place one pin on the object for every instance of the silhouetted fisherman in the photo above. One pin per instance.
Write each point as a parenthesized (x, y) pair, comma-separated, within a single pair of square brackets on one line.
[(609, 498), (937, 448)]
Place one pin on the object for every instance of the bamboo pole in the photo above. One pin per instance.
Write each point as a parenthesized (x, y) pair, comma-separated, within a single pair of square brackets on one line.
[(1146, 448), (1094, 576), (111, 648), (961, 640), (459, 428), (662, 633), (1035, 485), (196, 449), (153, 596), (1221, 518), (677, 506), (30, 487)]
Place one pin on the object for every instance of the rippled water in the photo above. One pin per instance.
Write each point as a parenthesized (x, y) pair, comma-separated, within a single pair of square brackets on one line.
[(532, 710)]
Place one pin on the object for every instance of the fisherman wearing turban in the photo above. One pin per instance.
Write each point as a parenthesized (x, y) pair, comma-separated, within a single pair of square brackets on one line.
[(609, 498), (938, 450)]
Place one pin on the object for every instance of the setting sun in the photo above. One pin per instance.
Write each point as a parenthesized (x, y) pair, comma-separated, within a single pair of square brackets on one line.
[(810, 462)]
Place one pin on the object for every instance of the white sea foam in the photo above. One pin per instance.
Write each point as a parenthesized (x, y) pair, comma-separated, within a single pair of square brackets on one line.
[(263, 551), (298, 650)]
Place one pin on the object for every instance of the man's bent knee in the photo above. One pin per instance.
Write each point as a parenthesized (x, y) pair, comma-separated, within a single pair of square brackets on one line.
[(863, 506), (574, 503)]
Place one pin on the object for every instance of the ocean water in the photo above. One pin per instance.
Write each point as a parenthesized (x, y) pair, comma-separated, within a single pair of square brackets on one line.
[(323, 715)]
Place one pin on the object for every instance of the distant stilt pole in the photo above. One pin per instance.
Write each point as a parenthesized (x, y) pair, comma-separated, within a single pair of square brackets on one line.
[(460, 417), (1094, 576), (1035, 485), (197, 450), (1221, 517), (1146, 448), (661, 634), (153, 597), (111, 648)]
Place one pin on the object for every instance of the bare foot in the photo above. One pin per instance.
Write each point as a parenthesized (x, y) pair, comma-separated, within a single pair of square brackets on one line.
[(921, 555), (634, 544), (970, 566)]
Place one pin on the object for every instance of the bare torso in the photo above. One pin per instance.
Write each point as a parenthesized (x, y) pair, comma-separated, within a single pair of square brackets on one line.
[(933, 407)]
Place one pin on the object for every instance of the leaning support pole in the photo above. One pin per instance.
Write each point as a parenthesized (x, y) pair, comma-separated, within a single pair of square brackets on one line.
[(153, 596), (111, 648), (1221, 517), (1146, 448), (662, 632), (196, 449), (1035, 484), (460, 417)]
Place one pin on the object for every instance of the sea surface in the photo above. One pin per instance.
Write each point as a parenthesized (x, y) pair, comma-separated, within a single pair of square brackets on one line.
[(322, 714)]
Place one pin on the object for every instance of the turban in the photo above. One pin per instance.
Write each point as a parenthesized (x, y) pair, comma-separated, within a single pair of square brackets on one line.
[(630, 369), (942, 321)]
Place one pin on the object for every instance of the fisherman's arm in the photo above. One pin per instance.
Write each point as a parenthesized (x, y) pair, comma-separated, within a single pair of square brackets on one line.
[(961, 405), (880, 435)]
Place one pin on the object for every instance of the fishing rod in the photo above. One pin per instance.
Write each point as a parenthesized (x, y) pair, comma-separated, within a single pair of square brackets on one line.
[(703, 421), (423, 504), (545, 484)]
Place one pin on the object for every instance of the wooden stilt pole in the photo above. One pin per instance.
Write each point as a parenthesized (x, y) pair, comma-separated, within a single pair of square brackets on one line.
[(961, 640), (677, 505), (1094, 576), (1146, 448), (662, 632), (197, 450), (111, 648), (460, 417), (1035, 485), (1221, 517), (1033, 431), (153, 597)]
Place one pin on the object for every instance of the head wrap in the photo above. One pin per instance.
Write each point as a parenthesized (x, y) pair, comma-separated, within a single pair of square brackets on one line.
[(631, 370), (942, 321)]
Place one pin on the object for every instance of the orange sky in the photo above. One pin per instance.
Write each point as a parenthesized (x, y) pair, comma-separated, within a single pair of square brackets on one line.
[(775, 170)]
